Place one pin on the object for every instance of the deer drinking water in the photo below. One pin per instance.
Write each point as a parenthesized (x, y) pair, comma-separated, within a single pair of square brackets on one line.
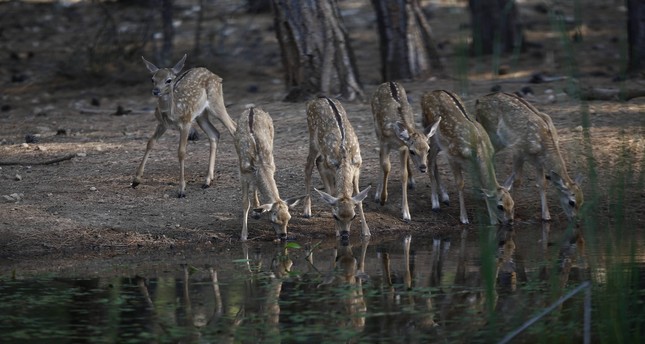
[(468, 148), (513, 123), (394, 125), (254, 146), (184, 99), (334, 148)]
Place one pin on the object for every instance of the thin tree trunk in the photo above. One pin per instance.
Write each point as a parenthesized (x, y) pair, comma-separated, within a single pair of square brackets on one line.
[(496, 26), (316, 54), (168, 30), (636, 34), (407, 48)]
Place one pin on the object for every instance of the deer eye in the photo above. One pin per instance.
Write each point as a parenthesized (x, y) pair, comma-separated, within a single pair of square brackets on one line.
[(412, 153), (168, 81), (336, 217), (572, 203), (353, 217), (500, 207)]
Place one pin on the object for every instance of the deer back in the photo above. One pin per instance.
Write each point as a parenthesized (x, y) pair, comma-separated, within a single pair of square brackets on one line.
[(254, 140), (332, 133)]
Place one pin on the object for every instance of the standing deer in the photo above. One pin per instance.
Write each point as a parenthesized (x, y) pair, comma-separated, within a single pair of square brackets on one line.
[(334, 148), (467, 147), (394, 124), (184, 99), (254, 146), (511, 122)]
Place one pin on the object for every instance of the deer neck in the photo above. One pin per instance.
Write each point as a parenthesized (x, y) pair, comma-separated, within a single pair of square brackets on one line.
[(166, 104), (344, 182), (265, 181)]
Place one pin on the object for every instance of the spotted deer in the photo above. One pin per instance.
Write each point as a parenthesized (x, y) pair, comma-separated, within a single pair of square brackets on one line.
[(394, 125), (184, 99), (513, 123), (334, 148), (254, 146), (468, 148)]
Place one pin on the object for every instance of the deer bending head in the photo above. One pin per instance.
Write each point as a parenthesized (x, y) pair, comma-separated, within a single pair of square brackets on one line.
[(334, 149), (254, 146), (530, 135), (395, 129), (468, 149)]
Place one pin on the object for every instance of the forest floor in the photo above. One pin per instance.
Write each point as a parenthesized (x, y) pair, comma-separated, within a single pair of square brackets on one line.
[(60, 87)]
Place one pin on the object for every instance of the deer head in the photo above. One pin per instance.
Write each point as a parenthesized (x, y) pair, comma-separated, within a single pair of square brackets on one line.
[(343, 208), (163, 78)]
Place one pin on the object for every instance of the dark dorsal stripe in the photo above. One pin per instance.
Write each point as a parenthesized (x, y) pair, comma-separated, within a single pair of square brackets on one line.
[(339, 119), (182, 76), (459, 105), (395, 91), (251, 120)]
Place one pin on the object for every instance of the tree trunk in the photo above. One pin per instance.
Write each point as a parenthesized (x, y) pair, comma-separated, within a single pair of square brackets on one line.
[(636, 34), (407, 48), (168, 31), (316, 54), (496, 26)]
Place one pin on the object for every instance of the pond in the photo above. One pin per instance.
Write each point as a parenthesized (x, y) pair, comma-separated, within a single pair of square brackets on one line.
[(474, 286)]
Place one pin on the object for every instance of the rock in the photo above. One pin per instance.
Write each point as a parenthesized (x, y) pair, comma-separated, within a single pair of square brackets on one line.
[(18, 178)]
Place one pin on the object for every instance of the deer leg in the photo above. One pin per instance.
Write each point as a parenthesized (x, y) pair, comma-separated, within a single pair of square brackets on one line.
[(365, 230), (411, 182), (435, 183), (542, 184), (405, 159), (181, 154), (309, 168), (459, 181), (160, 130), (246, 205), (381, 190), (213, 136), (216, 99), (518, 164)]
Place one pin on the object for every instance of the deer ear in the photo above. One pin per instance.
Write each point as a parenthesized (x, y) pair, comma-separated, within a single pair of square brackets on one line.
[(361, 195), (401, 132), (331, 200), (180, 65), (430, 131), (579, 179), (291, 202), (262, 209), (487, 194), (508, 183), (151, 67)]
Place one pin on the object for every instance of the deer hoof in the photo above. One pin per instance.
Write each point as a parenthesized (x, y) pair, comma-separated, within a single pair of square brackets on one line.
[(134, 184), (206, 186), (181, 195)]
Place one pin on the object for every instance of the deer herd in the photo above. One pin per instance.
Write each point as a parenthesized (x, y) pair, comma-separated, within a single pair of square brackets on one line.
[(502, 121)]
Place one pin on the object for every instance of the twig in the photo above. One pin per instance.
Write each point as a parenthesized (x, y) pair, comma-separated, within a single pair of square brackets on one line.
[(46, 162)]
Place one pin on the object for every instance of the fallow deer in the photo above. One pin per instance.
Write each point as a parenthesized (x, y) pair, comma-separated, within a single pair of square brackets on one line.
[(184, 99), (394, 124), (334, 148), (513, 123), (468, 148), (254, 146)]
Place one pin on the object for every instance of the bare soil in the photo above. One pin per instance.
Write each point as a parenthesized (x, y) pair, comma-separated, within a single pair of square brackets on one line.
[(62, 80)]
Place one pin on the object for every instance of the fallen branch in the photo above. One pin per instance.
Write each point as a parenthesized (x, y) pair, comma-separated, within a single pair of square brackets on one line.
[(46, 162), (597, 93)]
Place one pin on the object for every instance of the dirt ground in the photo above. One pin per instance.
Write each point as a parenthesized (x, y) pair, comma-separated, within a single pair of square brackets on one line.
[(56, 215)]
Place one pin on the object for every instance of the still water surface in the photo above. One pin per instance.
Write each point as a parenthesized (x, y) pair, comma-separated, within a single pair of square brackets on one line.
[(474, 286)]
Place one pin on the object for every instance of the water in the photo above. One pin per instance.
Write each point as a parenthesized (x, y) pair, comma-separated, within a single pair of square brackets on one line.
[(468, 287)]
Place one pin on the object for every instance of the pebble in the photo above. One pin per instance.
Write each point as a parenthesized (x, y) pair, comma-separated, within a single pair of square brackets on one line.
[(81, 154), (92, 188), (18, 177)]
